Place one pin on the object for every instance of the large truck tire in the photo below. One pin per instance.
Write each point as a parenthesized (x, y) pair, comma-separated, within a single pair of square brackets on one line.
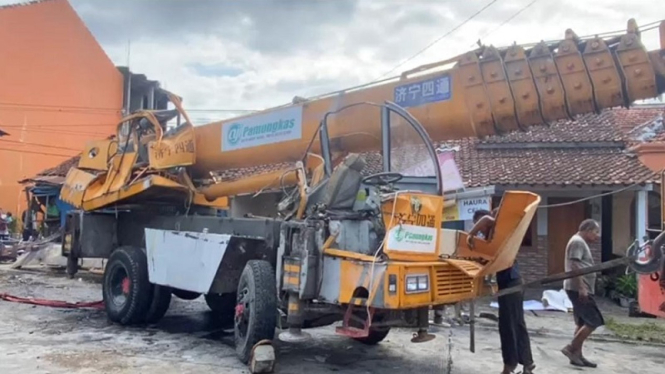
[(256, 307), (127, 290), (222, 305), (375, 336), (186, 295), (161, 300)]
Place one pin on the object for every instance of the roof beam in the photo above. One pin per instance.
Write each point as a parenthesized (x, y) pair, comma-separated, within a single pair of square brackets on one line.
[(540, 188), (550, 145)]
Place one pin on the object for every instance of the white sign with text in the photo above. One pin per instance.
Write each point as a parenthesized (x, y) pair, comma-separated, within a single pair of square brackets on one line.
[(469, 206)]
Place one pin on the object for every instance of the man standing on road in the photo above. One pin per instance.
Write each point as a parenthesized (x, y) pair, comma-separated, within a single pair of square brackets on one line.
[(515, 343), (580, 291)]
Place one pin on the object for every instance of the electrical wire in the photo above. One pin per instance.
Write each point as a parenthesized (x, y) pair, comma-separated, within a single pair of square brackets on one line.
[(51, 125), (439, 39), (506, 21), (648, 27), (62, 132), (35, 152), (37, 144), (59, 111), (644, 27), (380, 250), (592, 197), (98, 110), (59, 107)]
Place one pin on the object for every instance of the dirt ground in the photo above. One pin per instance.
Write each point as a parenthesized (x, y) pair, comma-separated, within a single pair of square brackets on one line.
[(40, 340)]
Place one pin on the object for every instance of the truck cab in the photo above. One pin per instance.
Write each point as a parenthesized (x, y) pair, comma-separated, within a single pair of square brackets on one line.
[(366, 240)]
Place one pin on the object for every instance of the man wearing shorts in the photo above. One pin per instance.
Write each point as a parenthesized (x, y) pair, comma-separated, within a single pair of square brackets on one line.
[(580, 291)]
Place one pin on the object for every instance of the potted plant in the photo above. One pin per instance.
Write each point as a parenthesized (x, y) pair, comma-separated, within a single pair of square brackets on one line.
[(626, 287), (606, 286)]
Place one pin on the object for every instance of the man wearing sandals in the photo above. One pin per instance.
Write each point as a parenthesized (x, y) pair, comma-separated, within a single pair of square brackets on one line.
[(580, 291)]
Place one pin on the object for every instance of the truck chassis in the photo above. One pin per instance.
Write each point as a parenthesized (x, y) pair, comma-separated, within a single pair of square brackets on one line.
[(235, 272)]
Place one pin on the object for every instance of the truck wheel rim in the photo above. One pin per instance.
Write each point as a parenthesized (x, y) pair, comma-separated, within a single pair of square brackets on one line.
[(242, 312), (120, 286)]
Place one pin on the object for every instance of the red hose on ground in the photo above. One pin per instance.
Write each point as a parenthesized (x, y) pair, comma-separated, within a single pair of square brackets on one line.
[(52, 303)]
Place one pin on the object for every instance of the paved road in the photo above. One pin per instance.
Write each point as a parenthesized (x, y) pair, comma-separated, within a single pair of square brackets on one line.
[(39, 340)]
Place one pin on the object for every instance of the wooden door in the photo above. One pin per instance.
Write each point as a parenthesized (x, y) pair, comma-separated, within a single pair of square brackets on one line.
[(562, 223)]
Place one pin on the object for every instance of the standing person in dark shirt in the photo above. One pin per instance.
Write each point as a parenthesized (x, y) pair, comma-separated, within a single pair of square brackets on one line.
[(515, 343)]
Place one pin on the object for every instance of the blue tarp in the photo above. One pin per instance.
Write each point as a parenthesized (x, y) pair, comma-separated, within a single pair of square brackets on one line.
[(53, 192)]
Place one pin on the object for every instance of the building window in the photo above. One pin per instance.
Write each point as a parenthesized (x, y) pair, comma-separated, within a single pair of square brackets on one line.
[(654, 210), (528, 240)]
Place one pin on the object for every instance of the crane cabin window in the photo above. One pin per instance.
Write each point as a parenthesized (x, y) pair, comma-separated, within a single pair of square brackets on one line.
[(408, 154)]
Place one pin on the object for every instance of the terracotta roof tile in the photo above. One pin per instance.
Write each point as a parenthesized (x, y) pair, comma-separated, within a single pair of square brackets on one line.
[(587, 128), (18, 4), (610, 125), (651, 130), (230, 175), (583, 166), (61, 169), (630, 119)]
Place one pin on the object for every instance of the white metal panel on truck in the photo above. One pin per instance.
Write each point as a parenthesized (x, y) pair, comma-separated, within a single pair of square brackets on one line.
[(184, 260)]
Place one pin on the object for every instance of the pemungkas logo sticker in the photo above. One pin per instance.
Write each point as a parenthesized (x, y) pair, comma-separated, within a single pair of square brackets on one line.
[(399, 236), (403, 234), (238, 132), (235, 133), (267, 128)]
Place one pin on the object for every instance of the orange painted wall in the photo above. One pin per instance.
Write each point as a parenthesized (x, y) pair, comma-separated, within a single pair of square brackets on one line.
[(652, 155), (58, 89)]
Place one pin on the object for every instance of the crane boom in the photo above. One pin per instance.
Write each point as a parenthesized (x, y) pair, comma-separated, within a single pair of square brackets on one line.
[(488, 91)]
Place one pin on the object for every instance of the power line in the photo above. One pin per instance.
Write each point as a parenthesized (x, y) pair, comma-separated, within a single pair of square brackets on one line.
[(87, 108), (648, 26), (61, 132), (55, 125), (60, 107), (93, 111), (507, 20), (51, 125), (643, 28), (593, 197), (88, 112), (439, 39), (35, 152), (37, 144)]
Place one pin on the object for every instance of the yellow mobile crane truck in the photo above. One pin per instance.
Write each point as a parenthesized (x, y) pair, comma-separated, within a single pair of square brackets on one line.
[(356, 236)]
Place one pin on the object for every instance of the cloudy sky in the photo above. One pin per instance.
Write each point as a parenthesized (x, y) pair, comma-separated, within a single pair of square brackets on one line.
[(253, 54)]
